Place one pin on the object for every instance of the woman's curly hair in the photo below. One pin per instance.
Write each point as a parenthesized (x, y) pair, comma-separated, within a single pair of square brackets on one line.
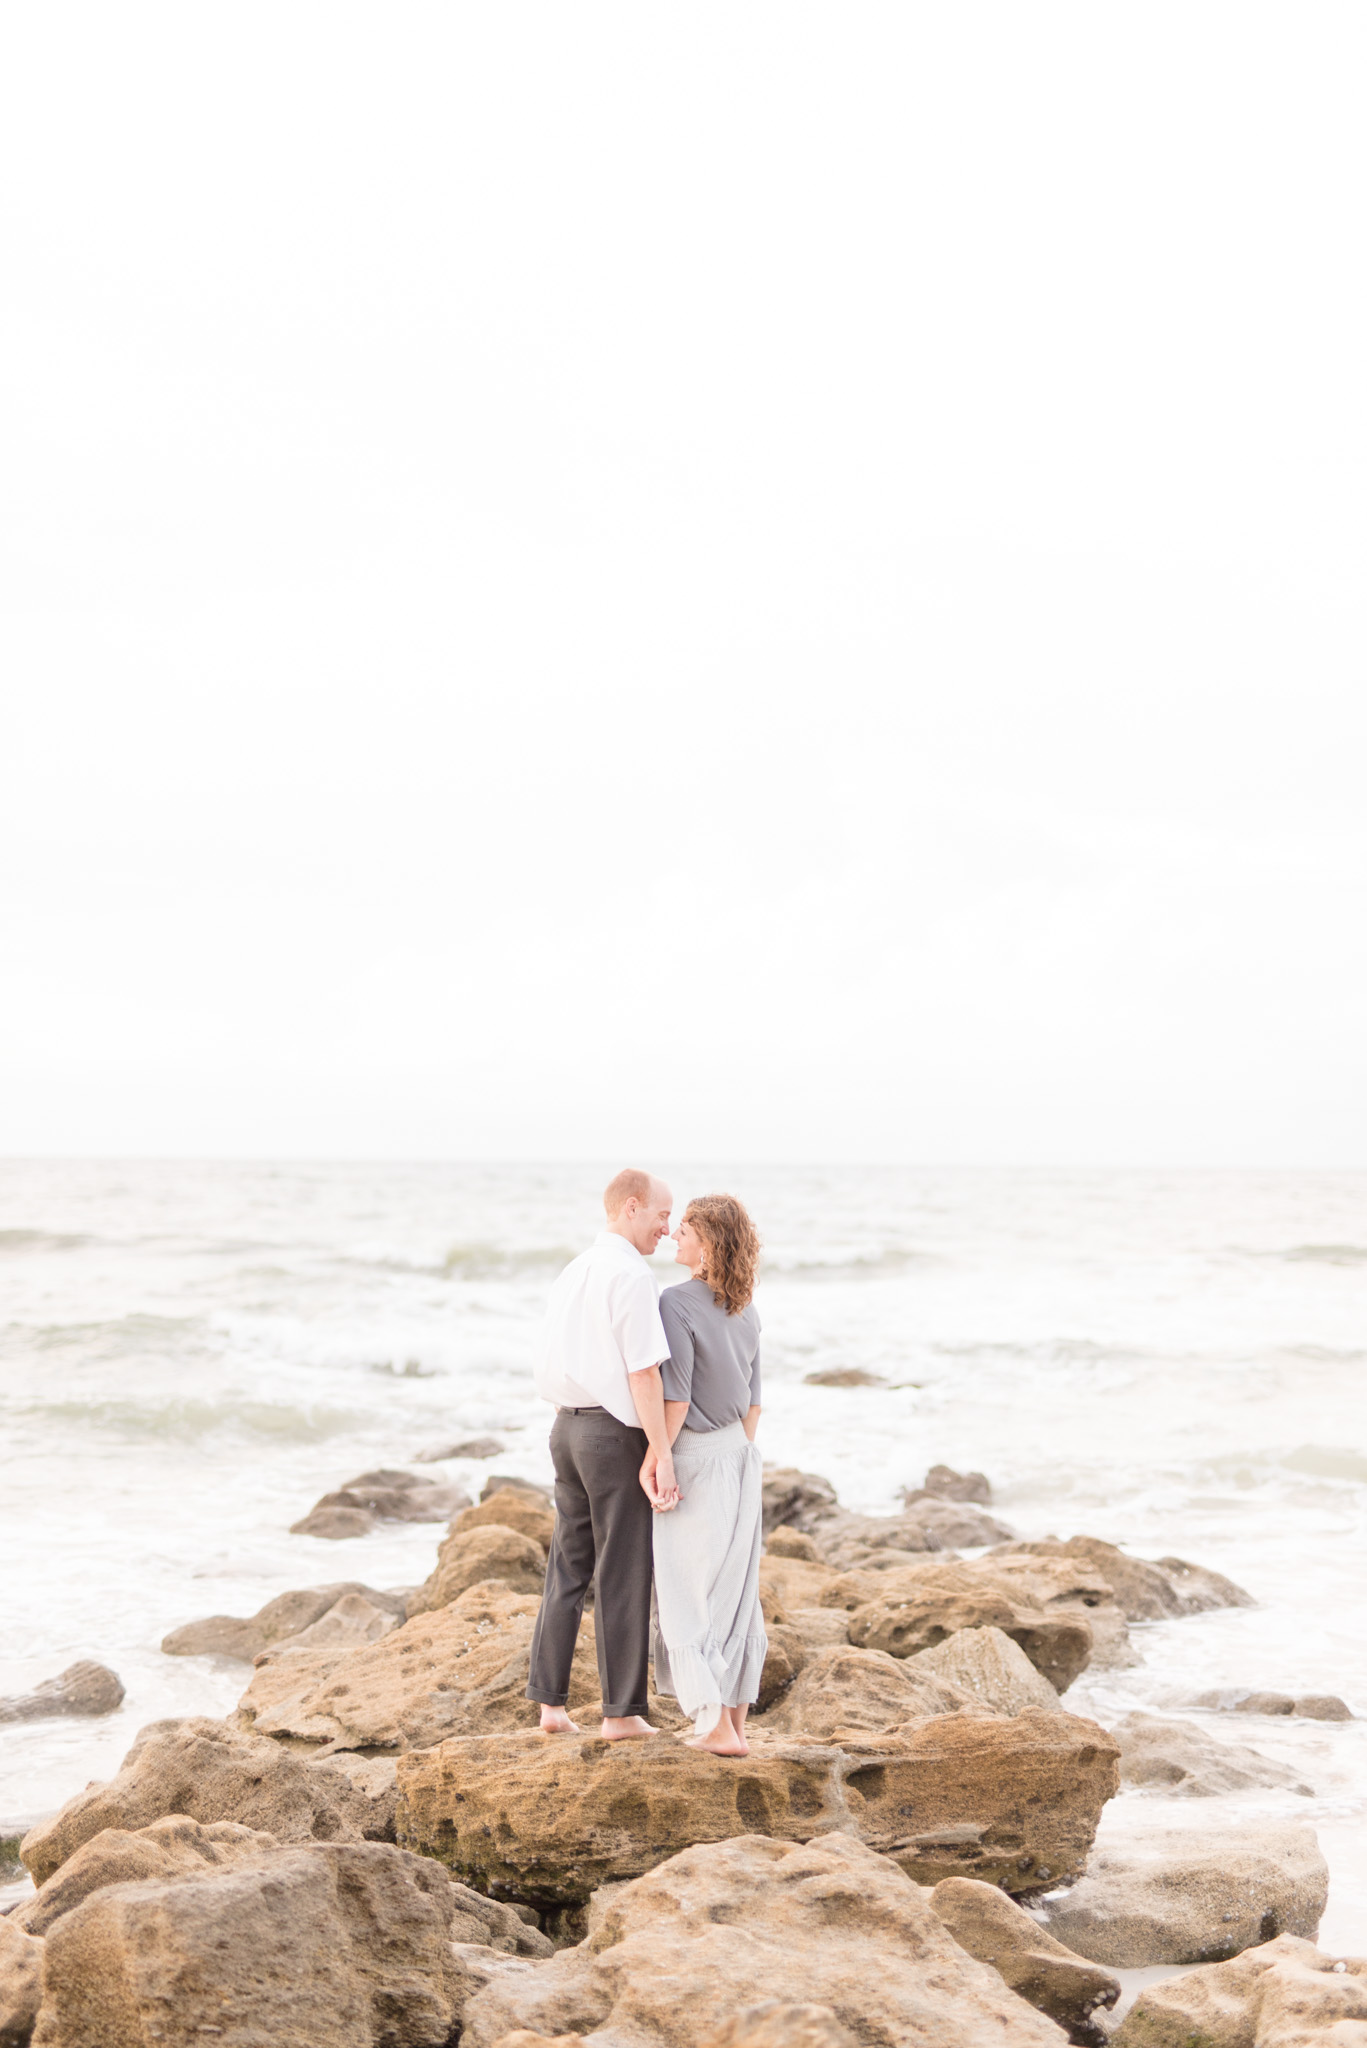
[(732, 1249)]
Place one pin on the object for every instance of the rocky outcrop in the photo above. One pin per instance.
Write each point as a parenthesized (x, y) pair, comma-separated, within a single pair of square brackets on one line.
[(511, 1508), (1038, 1969), (385, 1496), (499, 1482), (794, 1499), (770, 2024), (548, 1820), (906, 1611), (169, 1848), (1284, 1994), (289, 1617), (459, 1671), (848, 1541), (1177, 1897), (21, 1983), (1185, 1762), (210, 1772), (942, 1482), (860, 1691), (84, 1688), (994, 1671), (783, 1660), (474, 1557), (467, 1447), (336, 1946), (1310, 1706), (703, 1939), (1143, 1591)]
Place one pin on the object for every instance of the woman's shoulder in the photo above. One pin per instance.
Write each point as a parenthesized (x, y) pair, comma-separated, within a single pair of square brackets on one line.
[(683, 1299)]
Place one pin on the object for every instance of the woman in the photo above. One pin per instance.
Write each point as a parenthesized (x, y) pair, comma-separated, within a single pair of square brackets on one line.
[(709, 1640)]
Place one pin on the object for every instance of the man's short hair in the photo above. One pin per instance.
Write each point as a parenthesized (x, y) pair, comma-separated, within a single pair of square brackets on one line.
[(620, 1189)]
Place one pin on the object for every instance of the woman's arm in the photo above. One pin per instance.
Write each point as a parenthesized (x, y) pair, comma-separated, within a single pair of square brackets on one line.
[(675, 1411), (750, 1421)]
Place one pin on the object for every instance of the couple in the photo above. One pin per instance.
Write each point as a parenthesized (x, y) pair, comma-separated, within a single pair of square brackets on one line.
[(657, 1403)]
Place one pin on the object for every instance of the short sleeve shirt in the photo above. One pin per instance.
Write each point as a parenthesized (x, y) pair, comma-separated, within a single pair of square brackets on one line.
[(713, 1361), (602, 1324)]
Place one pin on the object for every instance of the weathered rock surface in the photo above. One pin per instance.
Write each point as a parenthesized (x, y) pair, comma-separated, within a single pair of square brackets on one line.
[(861, 1691), (1038, 1969), (21, 1983), (988, 1666), (820, 1628), (288, 1615), (209, 1772), (473, 1557), (375, 1778), (467, 1447), (906, 1612), (1284, 1994), (795, 1499), (770, 2024), (459, 1671), (946, 1484), (384, 1496), (1185, 1762), (846, 1540), (548, 1820), (682, 1954), (168, 1848), (1144, 1591), (843, 1376), (783, 1660), (786, 1542), (497, 1482), (83, 1688), (337, 1947), (511, 1508), (1178, 1897), (1310, 1706)]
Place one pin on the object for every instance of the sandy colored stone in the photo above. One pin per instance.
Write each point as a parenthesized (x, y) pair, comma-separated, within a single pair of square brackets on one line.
[(990, 1667), (787, 1582), (83, 1688), (511, 1508), (946, 1484), (21, 1983), (475, 1556), (400, 1496), (335, 1524), (464, 1447), (928, 1524), (1283, 1994), (288, 1615), (547, 1820), (798, 1499), (209, 1772), (848, 1689), (786, 1542), (1038, 1969), (349, 1624), (1059, 1583), (460, 1670), (821, 1628), (497, 1481), (1193, 1896), (1184, 1761), (906, 1612), (334, 1947), (771, 2024), (375, 1778), (784, 1658), (713, 1932), (168, 1848)]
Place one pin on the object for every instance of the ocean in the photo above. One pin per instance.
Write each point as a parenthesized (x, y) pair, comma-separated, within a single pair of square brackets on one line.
[(191, 1353)]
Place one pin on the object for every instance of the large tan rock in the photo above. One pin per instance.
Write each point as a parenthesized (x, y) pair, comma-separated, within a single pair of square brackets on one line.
[(989, 1667), (285, 1617), (771, 2024), (511, 1508), (84, 1688), (547, 1820), (461, 1670), (681, 1954), (21, 1983), (859, 1690), (1193, 1896), (474, 1557), (1283, 1994), (333, 1947), (1143, 1590), (1188, 1763), (209, 1772), (992, 1927), (793, 1499), (820, 1628), (903, 1612), (786, 1582), (170, 1847), (784, 1658), (845, 1540)]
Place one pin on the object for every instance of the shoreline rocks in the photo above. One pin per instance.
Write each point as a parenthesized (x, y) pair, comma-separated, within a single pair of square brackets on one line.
[(384, 1496), (1182, 1760), (83, 1688), (1282, 1994), (287, 1618), (1052, 1978)]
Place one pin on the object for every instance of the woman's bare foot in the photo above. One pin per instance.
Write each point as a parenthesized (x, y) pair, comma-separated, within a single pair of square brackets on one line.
[(555, 1721), (727, 1738), (625, 1728)]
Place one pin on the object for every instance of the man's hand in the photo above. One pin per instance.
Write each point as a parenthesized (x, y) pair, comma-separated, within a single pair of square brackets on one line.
[(657, 1477)]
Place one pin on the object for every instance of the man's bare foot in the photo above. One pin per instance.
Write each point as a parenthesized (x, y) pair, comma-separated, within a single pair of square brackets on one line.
[(555, 1721), (626, 1728)]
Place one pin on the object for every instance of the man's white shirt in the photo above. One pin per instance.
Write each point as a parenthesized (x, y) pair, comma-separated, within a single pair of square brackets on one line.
[(602, 1323)]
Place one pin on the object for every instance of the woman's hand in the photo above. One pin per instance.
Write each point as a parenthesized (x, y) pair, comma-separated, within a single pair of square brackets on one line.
[(657, 1478)]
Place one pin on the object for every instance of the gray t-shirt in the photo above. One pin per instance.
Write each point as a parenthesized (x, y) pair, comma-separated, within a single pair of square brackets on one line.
[(713, 1360)]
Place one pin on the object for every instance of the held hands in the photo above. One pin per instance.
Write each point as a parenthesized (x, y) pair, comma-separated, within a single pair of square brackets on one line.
[(657, 1478)]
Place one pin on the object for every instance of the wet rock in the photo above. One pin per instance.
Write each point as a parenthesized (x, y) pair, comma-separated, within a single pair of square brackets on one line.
[(1315, 1706), (795, 1499), (84, 1688), (784, 1658), (547, 1820), (703, 1939), (989, 1667), (1038, 1969), (1200, 1590), (862, 1691), (167, 1848), (1184, 1761), (349, 1624), (288, 1615), (468, 1447), (848, 1541), (843, 1376), (771, 2024), (336, 1946), (1066, 1579), (1142, 1590), (21, 1983), (210, 1772), (946, 1484), (1283, 1994), (460, 1670), (510, 1508), (1193, 1897), (473, 1557), (903, 1612), (497, 1482), (336, 1524), (383, 1496)]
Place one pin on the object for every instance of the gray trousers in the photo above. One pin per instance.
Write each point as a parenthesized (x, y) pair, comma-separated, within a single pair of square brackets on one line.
[(603, 1527)]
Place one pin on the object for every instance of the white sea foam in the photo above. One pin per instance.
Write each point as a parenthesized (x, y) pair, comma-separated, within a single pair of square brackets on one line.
[(190, 1354)]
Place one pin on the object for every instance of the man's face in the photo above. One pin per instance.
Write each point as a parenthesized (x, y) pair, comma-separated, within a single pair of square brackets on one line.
[(647, 1222)]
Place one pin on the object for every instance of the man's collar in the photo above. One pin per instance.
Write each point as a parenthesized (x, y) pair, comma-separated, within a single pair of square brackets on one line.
[(611, 1237)]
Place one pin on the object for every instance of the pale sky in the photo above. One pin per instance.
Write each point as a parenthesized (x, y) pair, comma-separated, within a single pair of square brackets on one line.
[(749, 581)]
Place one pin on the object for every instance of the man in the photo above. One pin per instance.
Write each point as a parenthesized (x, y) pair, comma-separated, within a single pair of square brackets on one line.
[(602, 1346)]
